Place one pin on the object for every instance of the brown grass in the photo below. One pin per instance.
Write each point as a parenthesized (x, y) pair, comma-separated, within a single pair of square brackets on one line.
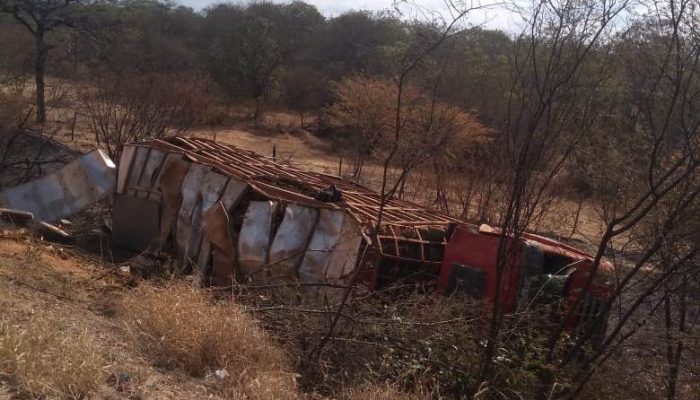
[(179, 327), (41, 360), (379, 392)]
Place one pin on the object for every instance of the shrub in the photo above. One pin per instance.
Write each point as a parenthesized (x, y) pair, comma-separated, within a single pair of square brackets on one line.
[(380, 392), (180, 328), (364, 116), (128, 108)]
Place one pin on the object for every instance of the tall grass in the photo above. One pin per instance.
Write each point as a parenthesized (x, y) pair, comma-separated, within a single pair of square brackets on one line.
[(380, 392), (41, 361), (179, 327)]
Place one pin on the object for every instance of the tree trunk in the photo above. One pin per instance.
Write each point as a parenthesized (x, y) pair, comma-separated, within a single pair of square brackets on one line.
[(258, 112), (674, 346), (39, 70), (576, 218)]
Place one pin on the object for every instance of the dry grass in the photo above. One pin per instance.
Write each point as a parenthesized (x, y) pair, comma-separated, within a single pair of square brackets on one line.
[(42, 361), (180, 328), (378, 392)]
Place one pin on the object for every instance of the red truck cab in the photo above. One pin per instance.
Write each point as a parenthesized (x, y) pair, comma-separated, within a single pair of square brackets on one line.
[(537, 269)]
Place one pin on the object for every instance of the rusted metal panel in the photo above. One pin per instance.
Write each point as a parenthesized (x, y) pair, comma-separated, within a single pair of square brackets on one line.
[(217, 231), (170, 179), (254, 239), (67, 191), (291, 239)]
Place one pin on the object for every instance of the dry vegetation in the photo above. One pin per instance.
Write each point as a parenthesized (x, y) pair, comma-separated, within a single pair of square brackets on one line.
[(180, 327), (42, 360), (70, 330)]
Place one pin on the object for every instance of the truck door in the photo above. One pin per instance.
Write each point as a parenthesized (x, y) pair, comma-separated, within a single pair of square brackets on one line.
[(469, 266)]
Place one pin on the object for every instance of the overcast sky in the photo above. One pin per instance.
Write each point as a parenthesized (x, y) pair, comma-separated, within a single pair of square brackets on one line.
[(493, 18)]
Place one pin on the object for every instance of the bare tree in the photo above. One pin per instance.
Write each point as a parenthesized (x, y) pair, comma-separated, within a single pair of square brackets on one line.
[(655, 217), (550, 107), (41, 17), (407, 64), (128, 108)]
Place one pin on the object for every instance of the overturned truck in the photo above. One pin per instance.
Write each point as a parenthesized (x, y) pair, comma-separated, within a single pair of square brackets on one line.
[(234, 214)]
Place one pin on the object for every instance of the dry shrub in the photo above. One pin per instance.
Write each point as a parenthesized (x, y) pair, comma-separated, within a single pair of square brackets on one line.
[(379, 392), (364, 117), (126, 108), (181, 328), (13, 108), (416, 342), (41, 360)]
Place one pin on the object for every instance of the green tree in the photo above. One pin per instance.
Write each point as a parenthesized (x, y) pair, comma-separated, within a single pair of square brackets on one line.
[(250, 44)]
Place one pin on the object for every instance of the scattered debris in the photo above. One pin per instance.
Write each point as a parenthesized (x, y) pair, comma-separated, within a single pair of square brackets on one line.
[(51, 232), (16, 217), (221, 374), (330, 195)]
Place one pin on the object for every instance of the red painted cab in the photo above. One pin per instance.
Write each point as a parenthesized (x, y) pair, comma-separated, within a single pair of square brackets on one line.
[(537, 269)]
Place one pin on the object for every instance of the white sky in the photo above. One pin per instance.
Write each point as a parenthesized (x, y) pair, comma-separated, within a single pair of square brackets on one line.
[(495, 17)]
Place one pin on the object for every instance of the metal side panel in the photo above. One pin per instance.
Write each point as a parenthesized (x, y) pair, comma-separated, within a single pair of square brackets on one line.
[(218, 233), (190, 200), (137, 166), (67, 191), (125, 161), (210, 190), (186, 232), (233, 193), (191, 188), (254, 239), (203, 259), (291, 239), (101, 172), (169, 186), (343, 259), (148, 177), (318, 254)]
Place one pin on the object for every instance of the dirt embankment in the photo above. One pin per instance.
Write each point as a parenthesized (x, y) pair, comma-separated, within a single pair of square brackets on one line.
[(59, 332)]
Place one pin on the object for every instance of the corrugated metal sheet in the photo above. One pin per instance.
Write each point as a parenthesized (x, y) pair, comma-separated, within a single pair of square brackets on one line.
[(254, 240), (71, 189), (291, 240)]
